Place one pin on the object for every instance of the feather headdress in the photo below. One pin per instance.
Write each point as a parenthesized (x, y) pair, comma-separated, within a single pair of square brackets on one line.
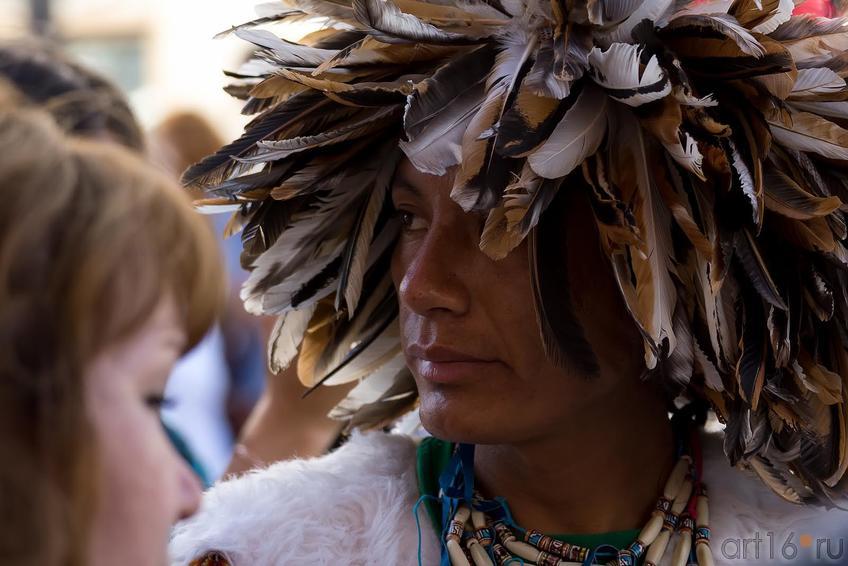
[(712, 139)]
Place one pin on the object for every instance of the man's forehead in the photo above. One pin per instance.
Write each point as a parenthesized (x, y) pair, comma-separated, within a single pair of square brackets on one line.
[(408, 178)]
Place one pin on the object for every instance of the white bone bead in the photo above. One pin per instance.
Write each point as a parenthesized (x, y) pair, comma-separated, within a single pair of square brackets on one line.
[(676, 477), (657, 548), (478, 519), (681, 553), (652, 529), (462, 514), (704, 554), (478, 554), (457, 557), (703, 511), (523, 550), (461, 517), (682, 497)]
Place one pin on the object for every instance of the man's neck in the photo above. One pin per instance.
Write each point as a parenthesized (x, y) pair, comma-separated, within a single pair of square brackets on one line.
[(602, 474)]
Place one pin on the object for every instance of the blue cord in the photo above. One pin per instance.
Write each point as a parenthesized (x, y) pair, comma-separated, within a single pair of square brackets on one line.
[(418, 521)]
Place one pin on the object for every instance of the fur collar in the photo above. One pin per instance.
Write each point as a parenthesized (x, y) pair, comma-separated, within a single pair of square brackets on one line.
[(354, 507)]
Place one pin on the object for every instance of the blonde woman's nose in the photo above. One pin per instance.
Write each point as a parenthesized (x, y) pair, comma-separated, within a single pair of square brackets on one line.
[(190, 491)]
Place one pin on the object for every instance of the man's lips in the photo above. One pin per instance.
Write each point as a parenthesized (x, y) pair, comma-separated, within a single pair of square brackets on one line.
[(436, 353), (441, 364)]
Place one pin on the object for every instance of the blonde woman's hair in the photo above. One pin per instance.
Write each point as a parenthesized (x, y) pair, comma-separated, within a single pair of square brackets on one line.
[(91, 240)]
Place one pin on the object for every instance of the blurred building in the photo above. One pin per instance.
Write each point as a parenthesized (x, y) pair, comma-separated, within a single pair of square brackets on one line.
[(161, 52)]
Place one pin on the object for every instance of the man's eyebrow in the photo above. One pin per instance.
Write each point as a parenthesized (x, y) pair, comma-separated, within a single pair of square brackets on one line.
[(401, 184)]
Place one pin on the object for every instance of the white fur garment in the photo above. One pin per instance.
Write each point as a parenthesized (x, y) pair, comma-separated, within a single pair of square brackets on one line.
[(354, 507)]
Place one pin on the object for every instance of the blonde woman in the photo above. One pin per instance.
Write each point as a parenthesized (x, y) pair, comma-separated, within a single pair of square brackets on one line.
[(106, 277)]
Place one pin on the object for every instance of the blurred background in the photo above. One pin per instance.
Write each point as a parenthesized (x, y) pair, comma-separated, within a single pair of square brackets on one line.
[(162, 54)]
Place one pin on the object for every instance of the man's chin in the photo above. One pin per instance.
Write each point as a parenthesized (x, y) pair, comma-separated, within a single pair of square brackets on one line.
[(456, 420)]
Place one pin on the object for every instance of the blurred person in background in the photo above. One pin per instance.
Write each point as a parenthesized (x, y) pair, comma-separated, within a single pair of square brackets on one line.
[(282, 424), (818, 8), (79, 100), (106, 277), (216, 386), (821, 8)]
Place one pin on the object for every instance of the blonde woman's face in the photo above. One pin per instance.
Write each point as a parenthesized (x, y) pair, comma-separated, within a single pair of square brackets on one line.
[(144, 486)]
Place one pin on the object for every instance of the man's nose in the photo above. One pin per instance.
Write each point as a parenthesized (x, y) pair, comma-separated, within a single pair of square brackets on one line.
[(436, 273)]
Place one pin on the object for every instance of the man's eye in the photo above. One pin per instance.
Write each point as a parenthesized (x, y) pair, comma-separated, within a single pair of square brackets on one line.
[(410, 221), (406, 218)]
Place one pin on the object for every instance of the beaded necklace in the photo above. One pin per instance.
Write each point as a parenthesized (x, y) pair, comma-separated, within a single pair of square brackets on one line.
[(480, 532)]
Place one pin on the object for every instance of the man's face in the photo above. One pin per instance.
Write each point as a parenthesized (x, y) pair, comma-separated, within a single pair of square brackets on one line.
[(468, 324)]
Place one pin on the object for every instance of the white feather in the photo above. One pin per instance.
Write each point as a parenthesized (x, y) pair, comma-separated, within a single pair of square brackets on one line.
[(618, 68), (577, 136), (746, 180), (717, 302), (305, 242), (477, 139), (272, 150), (780, 16), (811, 39), (652, 10), (693, 101), (687, 155), (291, 53), (372, 388), (257, 68), (439, 146), (812, 82), (286, 337), (211, 209), (514, 7), (803, 135), (388, 23), (608, 12), (362, 246), (833, 109), (725, 24), (346, 340), (655, 225), (277, 299), (381, 351)]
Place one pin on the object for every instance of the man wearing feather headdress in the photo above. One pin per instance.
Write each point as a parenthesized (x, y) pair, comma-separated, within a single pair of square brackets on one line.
[(565, 231)]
